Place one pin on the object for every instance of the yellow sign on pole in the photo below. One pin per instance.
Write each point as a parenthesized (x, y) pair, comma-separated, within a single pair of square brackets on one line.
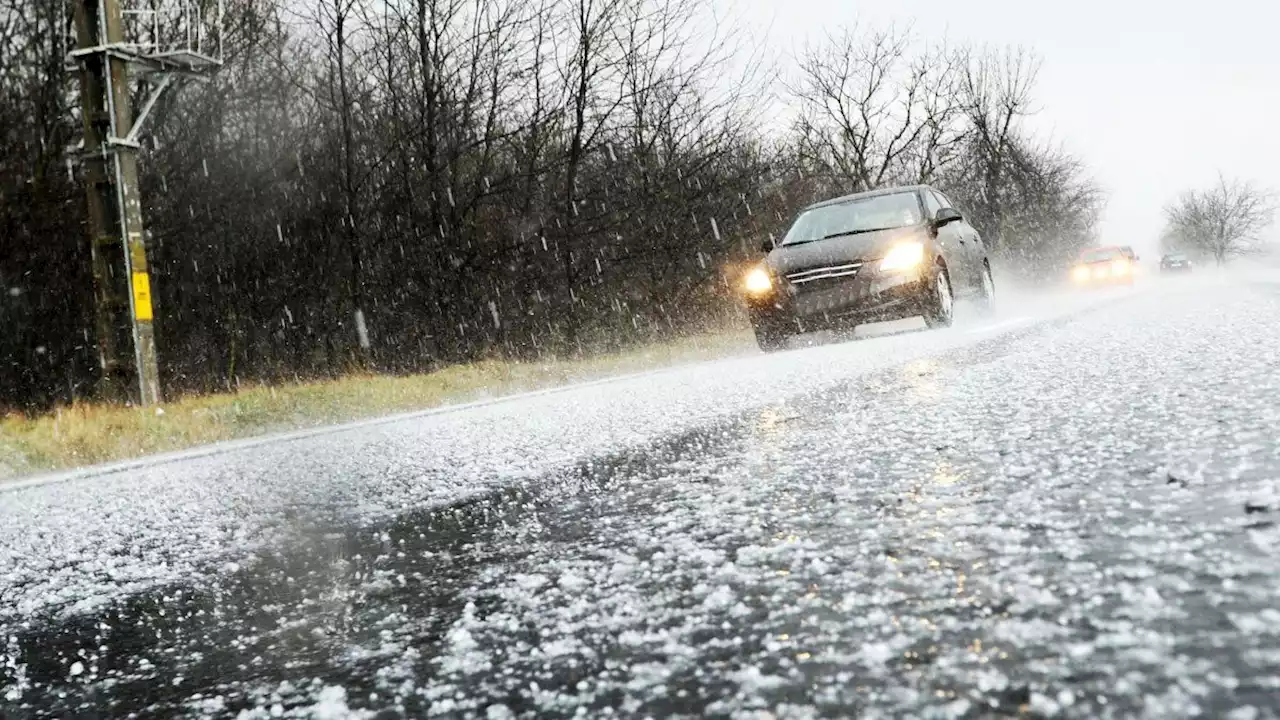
[(142, 296)]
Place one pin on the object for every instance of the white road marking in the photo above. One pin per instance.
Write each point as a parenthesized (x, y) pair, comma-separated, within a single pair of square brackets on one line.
[(1001, 325)]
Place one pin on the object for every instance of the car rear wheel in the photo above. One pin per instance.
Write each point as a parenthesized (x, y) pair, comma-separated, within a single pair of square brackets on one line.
[(987, 291), (940, 305)]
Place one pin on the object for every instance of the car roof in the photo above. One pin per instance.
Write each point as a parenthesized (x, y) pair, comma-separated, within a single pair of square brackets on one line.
[(869, 194)]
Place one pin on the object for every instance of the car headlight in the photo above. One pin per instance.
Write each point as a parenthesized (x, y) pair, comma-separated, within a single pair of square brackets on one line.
[(757, 282), (1080, 274), (903, 256), (1119, 267)]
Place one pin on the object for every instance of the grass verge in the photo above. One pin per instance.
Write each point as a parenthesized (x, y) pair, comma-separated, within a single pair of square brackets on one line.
[(87, 434)]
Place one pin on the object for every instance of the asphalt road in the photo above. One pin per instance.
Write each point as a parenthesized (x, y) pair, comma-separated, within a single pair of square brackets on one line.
[(1066, 509)]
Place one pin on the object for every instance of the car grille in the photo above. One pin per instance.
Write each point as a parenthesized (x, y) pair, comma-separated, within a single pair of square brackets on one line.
[(821, 277)]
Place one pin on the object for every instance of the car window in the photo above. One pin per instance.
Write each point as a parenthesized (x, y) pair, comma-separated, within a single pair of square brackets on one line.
[(931, 204), (946, 203), (877, 212)]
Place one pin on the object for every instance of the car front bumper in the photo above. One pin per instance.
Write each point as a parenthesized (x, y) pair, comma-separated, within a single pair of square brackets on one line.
[(841, 303)]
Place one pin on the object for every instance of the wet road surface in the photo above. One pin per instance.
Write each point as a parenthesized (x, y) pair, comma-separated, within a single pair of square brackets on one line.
[(1068, 512)]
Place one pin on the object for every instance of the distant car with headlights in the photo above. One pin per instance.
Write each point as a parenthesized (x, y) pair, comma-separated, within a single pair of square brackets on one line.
[(1175, 263), (882, 255), (1104, 267)]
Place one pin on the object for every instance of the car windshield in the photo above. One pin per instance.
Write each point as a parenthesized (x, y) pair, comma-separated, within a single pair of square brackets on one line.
[(1175, 258), (878, 212), (1099, 255)]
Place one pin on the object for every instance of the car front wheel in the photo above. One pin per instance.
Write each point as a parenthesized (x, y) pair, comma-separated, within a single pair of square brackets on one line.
[(769, 336), (770, 340), (940, 303)]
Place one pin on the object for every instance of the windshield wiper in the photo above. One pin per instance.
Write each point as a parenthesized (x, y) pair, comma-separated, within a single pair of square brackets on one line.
[(844, 233), (839, 234), (859, 232)]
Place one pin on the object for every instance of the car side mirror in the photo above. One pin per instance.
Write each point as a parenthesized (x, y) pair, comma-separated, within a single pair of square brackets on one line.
[(767, 245), (946, 215)]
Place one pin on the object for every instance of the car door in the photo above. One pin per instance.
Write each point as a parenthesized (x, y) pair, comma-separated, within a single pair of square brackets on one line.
[(952, 242), (970, 246)]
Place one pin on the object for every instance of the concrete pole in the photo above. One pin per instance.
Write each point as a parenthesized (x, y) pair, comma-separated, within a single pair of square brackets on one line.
[(122, 283)]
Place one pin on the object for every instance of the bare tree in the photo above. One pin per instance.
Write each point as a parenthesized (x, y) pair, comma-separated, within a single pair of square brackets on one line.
[(875, 110), (592, 59), (337, 17), (996, 89), (1222, 221)]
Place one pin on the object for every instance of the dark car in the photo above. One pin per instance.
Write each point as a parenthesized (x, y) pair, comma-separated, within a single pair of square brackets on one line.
[(1104, 267), (882, 255), (1175, 263)]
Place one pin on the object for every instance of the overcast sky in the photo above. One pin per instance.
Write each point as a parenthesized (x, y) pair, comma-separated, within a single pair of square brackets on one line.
[(1155, 96)]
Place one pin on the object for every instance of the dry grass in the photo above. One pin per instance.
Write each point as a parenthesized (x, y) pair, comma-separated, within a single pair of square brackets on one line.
[(86, 434)]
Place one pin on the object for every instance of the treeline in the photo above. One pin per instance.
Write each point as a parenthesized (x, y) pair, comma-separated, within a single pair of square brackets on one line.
[(402, 184), (878, 108)]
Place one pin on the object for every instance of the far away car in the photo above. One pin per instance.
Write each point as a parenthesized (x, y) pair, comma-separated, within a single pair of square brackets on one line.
[(882, 255), (1175, 263), (1104, 266)]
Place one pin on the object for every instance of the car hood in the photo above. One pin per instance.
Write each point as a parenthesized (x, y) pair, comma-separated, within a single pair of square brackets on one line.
[(788, 259)]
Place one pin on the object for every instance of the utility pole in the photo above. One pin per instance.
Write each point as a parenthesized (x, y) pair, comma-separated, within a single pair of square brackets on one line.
[(121, 279)]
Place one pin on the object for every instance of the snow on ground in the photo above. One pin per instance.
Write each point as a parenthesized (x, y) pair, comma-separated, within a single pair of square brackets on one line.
[(1067, 518), (1062, 528), (69, 547)]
